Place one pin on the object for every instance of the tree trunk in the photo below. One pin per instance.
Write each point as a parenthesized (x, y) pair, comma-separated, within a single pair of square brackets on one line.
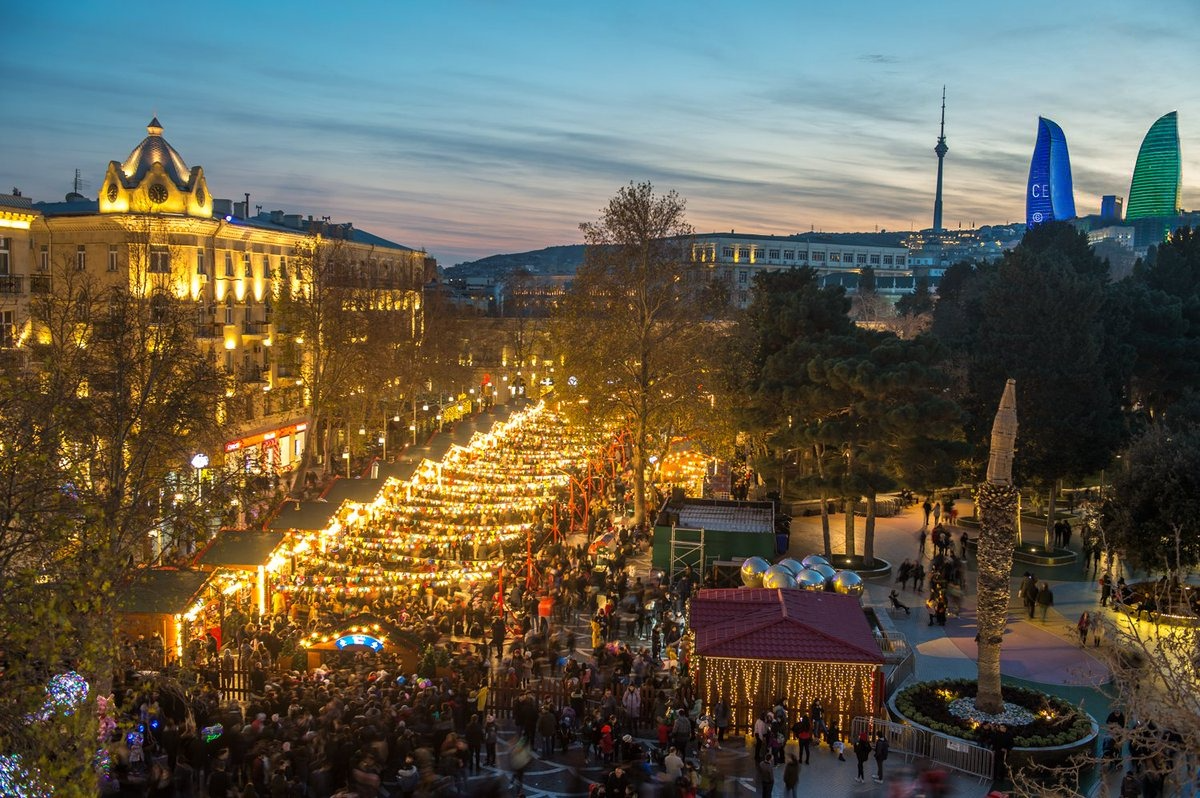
[(997, 512), (818, 451), (869, 532), (639, 483), (849, 528), (1050, 510), (825, 538)]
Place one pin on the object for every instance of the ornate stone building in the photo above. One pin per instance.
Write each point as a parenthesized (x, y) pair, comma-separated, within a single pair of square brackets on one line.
[(156, 226)]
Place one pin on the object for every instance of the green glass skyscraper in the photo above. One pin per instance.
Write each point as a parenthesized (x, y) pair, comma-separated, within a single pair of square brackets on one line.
[(1157, 176)]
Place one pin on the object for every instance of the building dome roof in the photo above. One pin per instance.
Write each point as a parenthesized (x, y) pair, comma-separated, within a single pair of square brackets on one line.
[(155, 149)]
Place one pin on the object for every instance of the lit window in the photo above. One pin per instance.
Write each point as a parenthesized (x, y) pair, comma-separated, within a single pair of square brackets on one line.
[(835, 257), (5, 247), (8, 330), (160, 260)]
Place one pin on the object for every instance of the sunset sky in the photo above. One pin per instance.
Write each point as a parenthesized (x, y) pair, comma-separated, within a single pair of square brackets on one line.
[(471, 128)]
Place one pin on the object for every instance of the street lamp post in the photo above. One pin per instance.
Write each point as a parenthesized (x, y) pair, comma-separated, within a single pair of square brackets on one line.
[(200, 462)]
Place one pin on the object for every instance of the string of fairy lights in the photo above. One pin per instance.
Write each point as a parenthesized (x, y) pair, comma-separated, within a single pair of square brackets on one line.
[(450, 523), (845, 688)]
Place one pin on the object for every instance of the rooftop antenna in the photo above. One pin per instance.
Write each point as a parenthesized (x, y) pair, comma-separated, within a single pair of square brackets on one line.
[(941, 149)]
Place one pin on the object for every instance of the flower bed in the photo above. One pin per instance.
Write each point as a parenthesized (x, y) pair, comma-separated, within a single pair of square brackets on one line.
[(938, 706)]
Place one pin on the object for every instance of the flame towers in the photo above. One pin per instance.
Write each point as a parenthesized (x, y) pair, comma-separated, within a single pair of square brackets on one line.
[(1157, 176), (1050, 196)]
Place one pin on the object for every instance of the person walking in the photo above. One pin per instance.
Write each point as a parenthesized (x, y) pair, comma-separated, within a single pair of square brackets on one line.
[(881, 755), (928, 508), (791, 775), (937, 514), (1029, 592), (1045, 599), (1084, 625), (766, 775), (922, 537), (1105, 589), (721, 715), (862, 752)]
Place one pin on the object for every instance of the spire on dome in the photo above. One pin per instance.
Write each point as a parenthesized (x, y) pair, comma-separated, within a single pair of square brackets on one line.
[(154, 128)]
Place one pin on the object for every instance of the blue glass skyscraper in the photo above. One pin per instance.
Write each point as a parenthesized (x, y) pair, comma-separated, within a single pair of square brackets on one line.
[(1050, 196)]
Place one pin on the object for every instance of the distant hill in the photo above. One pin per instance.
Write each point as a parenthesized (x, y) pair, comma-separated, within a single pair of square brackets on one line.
[(549, 261)]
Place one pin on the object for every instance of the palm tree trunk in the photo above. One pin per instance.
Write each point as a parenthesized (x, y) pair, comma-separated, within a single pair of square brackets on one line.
[(869, 532)]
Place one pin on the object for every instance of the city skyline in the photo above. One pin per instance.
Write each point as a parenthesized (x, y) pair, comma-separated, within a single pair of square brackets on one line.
[(476, 128)]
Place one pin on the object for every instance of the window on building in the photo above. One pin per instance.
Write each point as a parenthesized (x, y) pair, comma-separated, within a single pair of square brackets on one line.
[(818, 256), (283, 268), (228, 264), (266, 267), (887, 260), (114, 258), (229, 309), (228, 361), (900, 260), (44, 259), (773, 254), (789, 254), (5, 250), (862, 259), (247, 267), (743, 297), (8, 330), (160, 260), (80, 258), (727, 252), (835, 257), (743, 276), (200, 261), (802, 255), (874, 260), (743, 252)]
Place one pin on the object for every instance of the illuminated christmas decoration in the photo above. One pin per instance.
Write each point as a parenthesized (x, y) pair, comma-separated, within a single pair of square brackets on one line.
[(451, 523)]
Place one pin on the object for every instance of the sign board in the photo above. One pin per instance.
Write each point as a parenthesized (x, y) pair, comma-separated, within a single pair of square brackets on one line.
[(359, 640)]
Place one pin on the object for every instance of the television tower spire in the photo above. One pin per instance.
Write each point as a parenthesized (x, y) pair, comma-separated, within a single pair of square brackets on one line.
[(941, 150)]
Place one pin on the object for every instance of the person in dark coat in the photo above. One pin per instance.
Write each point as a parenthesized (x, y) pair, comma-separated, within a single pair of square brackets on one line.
[(862, 752)]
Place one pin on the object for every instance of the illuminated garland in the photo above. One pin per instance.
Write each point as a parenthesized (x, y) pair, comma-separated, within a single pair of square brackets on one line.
[(471, 502), (748, 686)]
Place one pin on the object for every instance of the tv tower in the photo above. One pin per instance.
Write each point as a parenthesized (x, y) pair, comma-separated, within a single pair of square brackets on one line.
[(941, 150)]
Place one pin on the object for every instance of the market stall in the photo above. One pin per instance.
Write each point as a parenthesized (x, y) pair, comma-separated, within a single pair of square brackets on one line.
[(751, 647)]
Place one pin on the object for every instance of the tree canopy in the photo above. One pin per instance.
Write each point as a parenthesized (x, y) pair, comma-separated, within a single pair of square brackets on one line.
[(634, 330)]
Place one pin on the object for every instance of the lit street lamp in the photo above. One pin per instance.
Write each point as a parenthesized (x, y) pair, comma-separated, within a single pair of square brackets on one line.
[(199, 462)]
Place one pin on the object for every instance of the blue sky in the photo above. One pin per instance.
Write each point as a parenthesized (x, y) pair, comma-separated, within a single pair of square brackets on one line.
[(470, 128)]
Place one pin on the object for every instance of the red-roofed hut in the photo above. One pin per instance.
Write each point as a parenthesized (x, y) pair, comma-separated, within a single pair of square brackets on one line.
[(754, 646)]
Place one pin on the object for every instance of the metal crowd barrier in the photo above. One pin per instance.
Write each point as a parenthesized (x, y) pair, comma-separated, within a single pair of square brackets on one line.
[(912, 743)]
